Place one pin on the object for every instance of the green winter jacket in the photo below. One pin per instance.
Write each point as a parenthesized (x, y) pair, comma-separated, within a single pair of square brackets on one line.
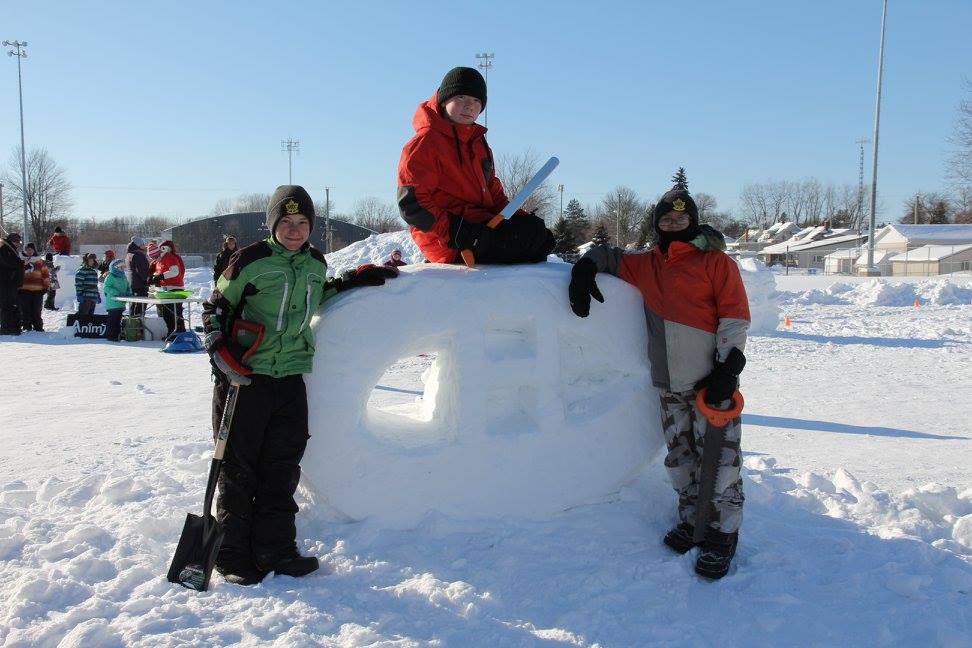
[(270, 285), (116, 285)]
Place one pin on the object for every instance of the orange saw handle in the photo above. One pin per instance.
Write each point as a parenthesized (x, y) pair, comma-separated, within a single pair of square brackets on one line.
[(467, 255), (717, 417)]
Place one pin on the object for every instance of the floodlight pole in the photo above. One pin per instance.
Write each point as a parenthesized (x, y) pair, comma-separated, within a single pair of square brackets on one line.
[(870, 270), (20, 51)]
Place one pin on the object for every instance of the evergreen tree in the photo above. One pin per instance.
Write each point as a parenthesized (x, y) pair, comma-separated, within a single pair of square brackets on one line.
[(680, 180), (600, 235), (577, 220), (565, 245)]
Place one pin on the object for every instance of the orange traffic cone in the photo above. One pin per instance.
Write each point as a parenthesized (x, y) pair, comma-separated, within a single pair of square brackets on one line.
[(917, 304), (786, 322)]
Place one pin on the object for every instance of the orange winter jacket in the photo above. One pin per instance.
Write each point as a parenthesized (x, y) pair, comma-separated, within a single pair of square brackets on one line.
[(695, 304), (37, 278), (446, 168)]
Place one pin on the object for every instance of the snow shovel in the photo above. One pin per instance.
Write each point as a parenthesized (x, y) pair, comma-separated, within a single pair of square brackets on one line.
[(195, 555), (715, 437), (538, 178)]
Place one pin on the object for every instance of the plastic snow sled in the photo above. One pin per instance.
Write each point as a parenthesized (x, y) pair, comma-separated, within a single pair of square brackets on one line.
[(185, 342), (172, 294)]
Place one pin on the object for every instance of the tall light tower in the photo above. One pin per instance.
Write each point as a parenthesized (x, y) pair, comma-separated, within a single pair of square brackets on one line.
[(20, 51), (290, 146), (860, 184), (870, 270), (485, 63)]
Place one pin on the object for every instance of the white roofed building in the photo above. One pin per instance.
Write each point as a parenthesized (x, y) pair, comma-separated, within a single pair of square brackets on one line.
[(932, 260)]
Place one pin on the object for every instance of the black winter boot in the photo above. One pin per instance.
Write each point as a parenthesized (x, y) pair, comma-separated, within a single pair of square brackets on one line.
[(238, 568), (291, 563), (679, 539), (716, 554)]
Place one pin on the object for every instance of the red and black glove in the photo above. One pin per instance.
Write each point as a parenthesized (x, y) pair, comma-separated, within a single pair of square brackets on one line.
[(368, 274), (227, 357), (722, 383)]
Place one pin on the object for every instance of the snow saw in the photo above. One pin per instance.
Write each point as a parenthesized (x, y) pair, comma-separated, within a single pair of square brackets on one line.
[(195, 555), (510, 209), (715, 438)]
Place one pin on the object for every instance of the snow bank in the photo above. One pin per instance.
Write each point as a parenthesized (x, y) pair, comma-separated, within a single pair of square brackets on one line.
[(885, 292), (764, 309), (526, 409), (376, 249)]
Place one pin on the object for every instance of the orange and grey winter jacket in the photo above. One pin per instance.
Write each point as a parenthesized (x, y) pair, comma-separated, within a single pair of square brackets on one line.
[(695, 303), (37, 278), (446, 168)]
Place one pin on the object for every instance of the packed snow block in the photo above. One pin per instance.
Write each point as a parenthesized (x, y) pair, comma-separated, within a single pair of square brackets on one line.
[(764, 307), (67, 266), (520, 407)]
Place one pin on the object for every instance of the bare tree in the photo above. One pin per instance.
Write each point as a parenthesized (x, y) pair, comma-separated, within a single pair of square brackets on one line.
[(251, 202), (376, 215), (706, 204), (514, 171), (48, 192), (622, 211), (959, 166)]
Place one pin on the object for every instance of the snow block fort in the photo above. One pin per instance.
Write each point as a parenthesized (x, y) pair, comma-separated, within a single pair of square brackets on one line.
[(477, 393)]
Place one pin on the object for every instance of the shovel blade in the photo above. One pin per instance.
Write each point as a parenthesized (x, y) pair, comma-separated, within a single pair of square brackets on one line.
[(195, 555)]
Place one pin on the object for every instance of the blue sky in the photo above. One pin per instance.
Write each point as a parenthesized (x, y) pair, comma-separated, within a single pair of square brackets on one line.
[(164, 108)]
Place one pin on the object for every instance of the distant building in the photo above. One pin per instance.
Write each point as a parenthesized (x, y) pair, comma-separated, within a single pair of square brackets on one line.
[(810, 247), (205, 235), (932, 260)]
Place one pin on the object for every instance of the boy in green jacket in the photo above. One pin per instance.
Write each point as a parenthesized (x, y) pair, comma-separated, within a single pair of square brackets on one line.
[(278, 283)]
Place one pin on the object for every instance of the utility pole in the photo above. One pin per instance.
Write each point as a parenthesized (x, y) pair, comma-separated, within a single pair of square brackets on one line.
[(859, 217), (20, 51), (327, 220), (916, 208), (486, 62), (870, 270), (2, 228), (290, 146), (561, 189)]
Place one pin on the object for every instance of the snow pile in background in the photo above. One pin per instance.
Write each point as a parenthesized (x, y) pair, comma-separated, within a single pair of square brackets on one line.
[(376, 249), (764, 308), (886, 292), (526, 409), (932, 513)]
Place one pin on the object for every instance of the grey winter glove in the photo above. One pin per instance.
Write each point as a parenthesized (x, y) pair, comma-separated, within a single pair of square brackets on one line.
[(225, 357)]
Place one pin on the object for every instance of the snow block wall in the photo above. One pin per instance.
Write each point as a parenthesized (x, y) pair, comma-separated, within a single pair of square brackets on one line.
[(518, 407), (764, 307)]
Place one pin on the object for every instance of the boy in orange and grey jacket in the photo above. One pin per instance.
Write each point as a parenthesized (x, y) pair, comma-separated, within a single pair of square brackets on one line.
[(698, 315)]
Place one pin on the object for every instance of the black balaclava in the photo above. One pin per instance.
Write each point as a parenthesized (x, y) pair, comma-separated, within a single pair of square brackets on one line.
[(677, 200)]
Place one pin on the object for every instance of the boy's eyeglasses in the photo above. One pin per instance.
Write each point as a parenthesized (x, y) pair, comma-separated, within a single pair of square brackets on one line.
[(680, 218)]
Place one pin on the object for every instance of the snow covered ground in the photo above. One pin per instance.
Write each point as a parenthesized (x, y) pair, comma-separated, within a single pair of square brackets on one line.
[(858, 531)]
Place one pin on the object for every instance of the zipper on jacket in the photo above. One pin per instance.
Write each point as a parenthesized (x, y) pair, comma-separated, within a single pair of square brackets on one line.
[(306, 309), (455, 138), (283, 305)]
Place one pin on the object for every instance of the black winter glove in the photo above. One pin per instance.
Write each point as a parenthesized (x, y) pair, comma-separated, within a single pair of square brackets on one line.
[(464, 235), (366, 275), (155, 279), (583, 287), (526, 239), (722, 383)]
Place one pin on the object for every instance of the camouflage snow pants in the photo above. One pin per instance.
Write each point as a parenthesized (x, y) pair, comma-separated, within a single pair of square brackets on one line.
[(684, 428)]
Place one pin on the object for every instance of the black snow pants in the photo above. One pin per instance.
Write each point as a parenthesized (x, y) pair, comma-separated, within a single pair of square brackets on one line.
[(31, 305), (172, 315), (261, 468), (9, 309)]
